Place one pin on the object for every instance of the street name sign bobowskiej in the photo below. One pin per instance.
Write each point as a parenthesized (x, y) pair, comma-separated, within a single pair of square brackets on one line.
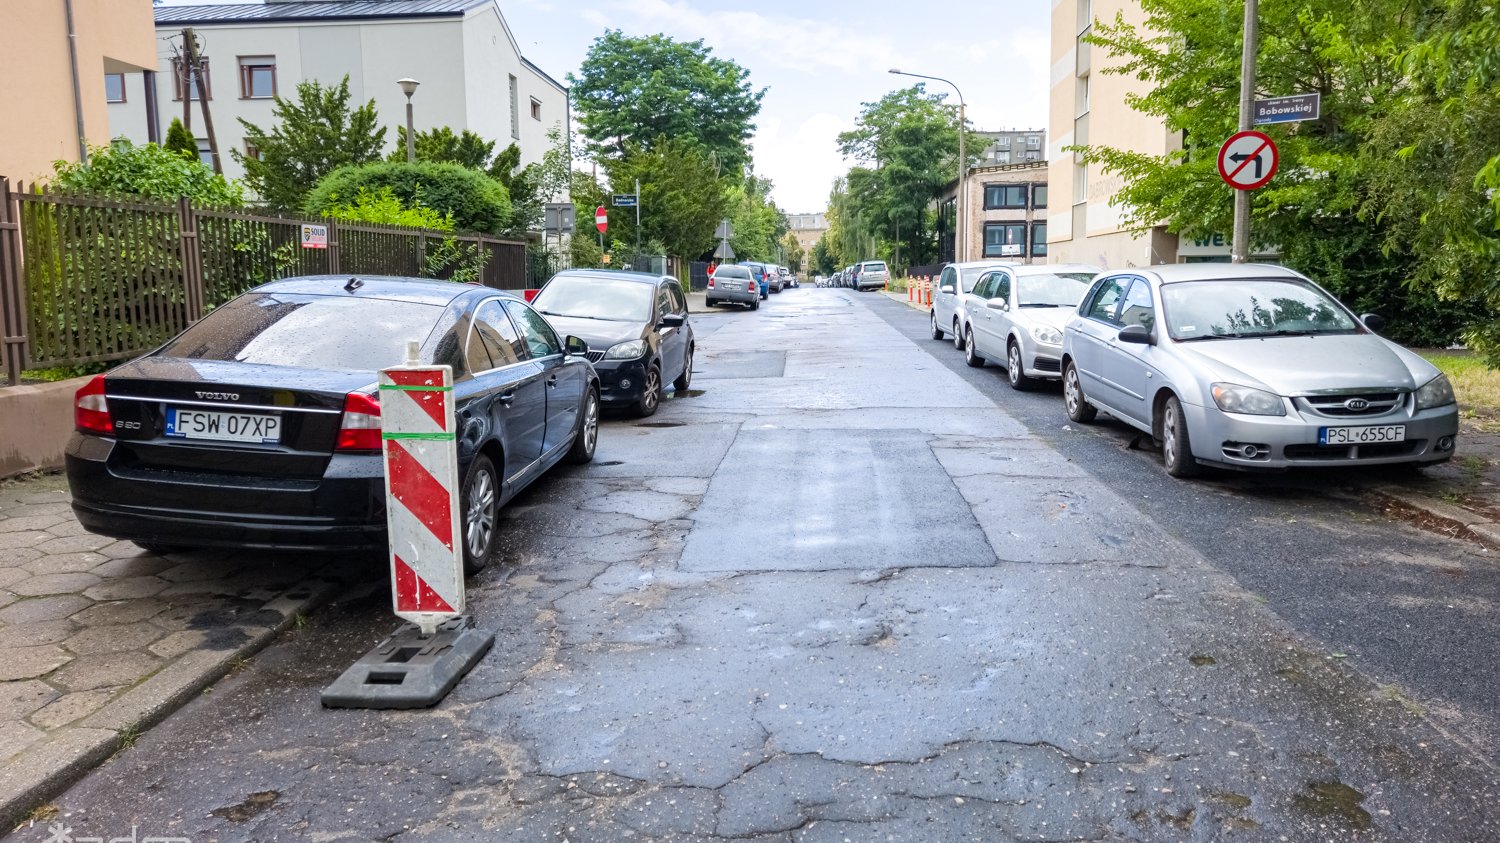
[(1248, 160), (1292, 109)]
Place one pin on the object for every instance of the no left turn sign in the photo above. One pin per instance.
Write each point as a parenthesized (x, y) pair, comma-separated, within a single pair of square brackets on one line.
[(1248, 160)]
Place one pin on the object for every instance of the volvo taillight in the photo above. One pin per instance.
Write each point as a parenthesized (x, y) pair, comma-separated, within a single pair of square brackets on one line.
[(91, 408), (360, 428)]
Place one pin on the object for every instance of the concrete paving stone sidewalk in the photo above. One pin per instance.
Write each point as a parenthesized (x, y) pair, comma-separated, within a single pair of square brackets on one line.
[(100, 639)]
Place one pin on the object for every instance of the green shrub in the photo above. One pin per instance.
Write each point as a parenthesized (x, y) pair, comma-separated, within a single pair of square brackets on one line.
[(124, 169), (474, 201), (180, 140)]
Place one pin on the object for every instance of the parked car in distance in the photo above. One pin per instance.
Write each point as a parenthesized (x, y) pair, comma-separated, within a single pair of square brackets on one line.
[(732, 284), (259, 426), (636, 326), (949, 296), (773, 274), (1251, 366), (1017, 313), (762, 279), (872, 275)]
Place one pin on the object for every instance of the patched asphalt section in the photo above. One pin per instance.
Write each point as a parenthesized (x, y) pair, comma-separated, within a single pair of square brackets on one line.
[(741, 364), (628, 697), (808, 500)]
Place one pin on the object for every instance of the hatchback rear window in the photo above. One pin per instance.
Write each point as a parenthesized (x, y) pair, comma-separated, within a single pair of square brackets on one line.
[(312, 332), (873, 266), (732, 272)]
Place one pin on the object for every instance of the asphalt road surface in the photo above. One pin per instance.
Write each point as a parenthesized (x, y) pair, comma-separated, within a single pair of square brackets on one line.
[(847, 589)]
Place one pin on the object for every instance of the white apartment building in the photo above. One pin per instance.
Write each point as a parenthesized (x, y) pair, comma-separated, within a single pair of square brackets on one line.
[(807, 228), (1085, 220), (471, 70)]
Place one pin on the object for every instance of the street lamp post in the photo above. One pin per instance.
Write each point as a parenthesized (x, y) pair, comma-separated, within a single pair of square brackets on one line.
[(409, 87), (961, 208)]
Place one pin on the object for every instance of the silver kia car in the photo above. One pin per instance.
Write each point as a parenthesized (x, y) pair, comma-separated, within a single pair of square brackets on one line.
[(1251, 366), (1017, 313)]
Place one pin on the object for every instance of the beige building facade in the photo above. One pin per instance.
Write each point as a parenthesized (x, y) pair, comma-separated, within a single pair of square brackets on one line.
[(1007, 214), (807, 228), (38, 120), (1085, 221)]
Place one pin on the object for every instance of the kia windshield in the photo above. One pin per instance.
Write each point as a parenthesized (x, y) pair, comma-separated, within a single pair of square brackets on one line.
[(1052, 289), (1227, 309), (590, 297)]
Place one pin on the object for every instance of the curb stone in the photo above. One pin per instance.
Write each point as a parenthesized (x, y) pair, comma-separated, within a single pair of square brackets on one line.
[(1464, 523)]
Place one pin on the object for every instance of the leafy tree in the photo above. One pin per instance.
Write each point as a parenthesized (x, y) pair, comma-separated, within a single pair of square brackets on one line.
[(792, 252), (474, 201), (180, 140), (382, 207), (1316, 209), (124, 169), (631, 92), (1438, 150), (757, 223), (466, 148), (681, 199), (585, 192), (316, 134), (823, 262), (907, 144)]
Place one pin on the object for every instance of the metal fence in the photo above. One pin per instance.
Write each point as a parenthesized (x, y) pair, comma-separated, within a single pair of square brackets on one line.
[(87, 279)]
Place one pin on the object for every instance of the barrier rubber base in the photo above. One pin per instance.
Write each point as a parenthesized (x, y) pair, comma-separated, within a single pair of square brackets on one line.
[(409, 670)]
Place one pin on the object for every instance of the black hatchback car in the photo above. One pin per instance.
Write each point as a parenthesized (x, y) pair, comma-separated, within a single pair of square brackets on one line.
[(636, 326), (259, 426)]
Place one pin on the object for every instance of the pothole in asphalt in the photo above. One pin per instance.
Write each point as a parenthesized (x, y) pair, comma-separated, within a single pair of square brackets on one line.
[(1334, 801), (660, 424), (254, 804), (1202, 660), (610, 462)]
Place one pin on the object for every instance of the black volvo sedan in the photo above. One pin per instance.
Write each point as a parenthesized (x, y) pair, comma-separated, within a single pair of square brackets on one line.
[(636, 326), (259, 426)]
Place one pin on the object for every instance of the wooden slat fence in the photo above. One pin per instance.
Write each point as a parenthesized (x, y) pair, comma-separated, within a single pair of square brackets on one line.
[(88, 279)]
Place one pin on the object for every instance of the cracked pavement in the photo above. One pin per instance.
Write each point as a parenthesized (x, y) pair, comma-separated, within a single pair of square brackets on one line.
[(833, 593)]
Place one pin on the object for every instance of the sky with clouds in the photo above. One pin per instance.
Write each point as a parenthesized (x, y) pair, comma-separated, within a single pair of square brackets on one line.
[(819, 60)]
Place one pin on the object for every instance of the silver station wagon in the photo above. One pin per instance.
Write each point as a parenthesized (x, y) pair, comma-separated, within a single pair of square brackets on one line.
[(1251, 366), (1016, 314)]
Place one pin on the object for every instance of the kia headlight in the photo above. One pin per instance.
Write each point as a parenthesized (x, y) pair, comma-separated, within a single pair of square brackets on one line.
[(1233, 398), (1047, 334), (626, 350), (1437, 393)]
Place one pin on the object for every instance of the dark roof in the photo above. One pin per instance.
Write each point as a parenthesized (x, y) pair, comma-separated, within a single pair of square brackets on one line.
[(542, 73), (314, 10)]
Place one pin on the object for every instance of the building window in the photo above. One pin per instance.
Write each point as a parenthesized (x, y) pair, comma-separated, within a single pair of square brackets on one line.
[(257, 77), (186, 83), (1033, 156), (1004, 239), (114, 87), (1002, 141), (205, 153), (515, 110), (1005, 196), (1002, 157), (1039, 196), (252, 151), (1039, 239), (536, 109), (1034, 142)]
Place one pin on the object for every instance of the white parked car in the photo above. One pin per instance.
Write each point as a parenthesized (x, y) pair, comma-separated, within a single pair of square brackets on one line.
[(1017, 313), (1251, 366), (953, 287)]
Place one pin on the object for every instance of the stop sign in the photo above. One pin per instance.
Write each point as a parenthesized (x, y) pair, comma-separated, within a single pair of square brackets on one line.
[(601, 219)]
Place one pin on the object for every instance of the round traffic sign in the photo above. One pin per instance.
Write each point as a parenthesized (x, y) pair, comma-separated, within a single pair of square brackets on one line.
[(601, 219), (1248, 160)]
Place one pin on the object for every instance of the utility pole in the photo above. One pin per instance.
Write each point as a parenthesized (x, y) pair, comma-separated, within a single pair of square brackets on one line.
[(1239, 250), (195, 62), (637, 221)]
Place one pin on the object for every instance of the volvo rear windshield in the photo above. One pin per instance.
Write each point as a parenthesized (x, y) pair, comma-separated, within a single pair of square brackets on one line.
[(310, 332)]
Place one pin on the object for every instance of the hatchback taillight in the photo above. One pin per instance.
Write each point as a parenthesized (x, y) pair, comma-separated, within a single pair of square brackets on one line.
[(710, 282), (360, 428), (91, 408)]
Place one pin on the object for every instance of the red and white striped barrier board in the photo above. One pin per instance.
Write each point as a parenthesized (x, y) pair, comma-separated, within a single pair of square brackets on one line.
[(421, 487)]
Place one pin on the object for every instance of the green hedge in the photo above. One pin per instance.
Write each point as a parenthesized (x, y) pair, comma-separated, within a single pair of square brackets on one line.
[(476, 201)]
